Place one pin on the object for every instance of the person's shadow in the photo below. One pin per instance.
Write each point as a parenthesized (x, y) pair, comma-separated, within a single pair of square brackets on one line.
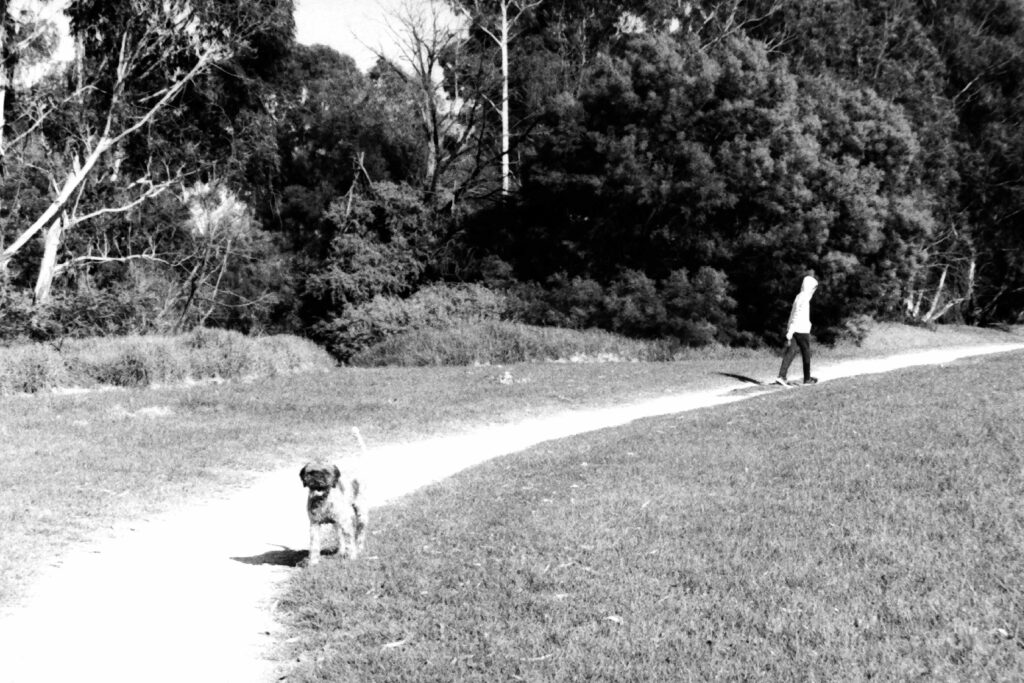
[(742, 378)]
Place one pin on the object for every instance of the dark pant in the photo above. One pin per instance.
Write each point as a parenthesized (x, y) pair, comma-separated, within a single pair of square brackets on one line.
[(803, 341)]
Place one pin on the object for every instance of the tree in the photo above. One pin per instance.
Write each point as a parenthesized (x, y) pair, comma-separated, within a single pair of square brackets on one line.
[(509, 12), (140, 61), (325, 119), (26, 40), (681, 154), (227, 271), (982, 46), (428, 37)]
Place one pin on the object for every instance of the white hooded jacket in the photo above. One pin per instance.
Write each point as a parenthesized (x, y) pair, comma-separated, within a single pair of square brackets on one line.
[(800, 315)]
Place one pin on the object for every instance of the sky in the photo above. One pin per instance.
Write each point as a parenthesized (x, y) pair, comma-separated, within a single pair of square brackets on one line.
[(351, 27)]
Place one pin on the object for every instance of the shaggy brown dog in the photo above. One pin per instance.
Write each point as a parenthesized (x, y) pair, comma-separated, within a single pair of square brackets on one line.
[(333, 501)]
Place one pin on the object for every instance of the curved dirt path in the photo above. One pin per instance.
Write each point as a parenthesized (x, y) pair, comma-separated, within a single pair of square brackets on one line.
[(189, 595)]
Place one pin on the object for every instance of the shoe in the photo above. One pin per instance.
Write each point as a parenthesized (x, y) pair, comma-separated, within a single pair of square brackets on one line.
[(782, 381), (811, 380)]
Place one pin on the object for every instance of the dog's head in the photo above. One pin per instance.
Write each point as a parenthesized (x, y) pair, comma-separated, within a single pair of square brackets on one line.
[(319, 477)]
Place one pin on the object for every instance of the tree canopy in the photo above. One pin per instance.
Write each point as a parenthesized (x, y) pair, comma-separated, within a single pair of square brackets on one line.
[(657, 168)]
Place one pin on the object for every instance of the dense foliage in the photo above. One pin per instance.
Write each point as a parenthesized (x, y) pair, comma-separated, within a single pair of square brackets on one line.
[(673, 169)]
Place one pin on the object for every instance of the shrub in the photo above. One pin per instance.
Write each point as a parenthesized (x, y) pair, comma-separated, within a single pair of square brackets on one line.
[(634, 305), (123, 367), (578, 303), (119, 310), (17, 319), (855, 329), (31, 368), (699, 309), (436, 306), (128, 369), (225, 354), (285, 354), (382, 246), (125, 361), (502, 342), (145, 360), (696, 310)]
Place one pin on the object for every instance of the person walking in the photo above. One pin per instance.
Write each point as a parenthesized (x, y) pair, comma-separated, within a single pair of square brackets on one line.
[(798, 330)]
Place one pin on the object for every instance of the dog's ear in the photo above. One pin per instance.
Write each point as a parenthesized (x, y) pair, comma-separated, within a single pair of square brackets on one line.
[(302, 474), (337, 476)]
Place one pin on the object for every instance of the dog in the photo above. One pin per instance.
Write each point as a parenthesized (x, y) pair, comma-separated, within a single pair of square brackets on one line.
[(335, 500)]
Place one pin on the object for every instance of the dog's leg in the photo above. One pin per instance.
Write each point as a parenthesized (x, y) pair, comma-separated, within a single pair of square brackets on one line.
[(314, 543), (359, 522), (346, 542)]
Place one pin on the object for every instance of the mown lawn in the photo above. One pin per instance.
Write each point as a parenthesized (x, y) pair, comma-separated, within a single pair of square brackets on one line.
[(868, 529)]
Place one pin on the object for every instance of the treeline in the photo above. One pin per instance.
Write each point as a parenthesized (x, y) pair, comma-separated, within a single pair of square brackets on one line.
[(660, 169)]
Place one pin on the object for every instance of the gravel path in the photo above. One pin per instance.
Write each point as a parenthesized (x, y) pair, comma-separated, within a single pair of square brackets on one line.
[(189, 595)]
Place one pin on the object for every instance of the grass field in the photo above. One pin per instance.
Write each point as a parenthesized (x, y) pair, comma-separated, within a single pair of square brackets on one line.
[(868, 529), (72, 463)]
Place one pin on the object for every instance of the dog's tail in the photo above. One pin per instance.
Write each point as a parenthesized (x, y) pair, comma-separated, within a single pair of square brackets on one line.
[(359, 440), (358, 508)]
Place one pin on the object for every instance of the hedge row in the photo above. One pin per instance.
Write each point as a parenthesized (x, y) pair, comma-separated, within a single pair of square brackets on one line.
[(137, 361), (500, 342)]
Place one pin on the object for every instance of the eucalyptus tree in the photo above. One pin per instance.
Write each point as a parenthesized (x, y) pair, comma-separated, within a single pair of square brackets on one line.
[(982, 48), (323, 123), (497, 20), (143, 81), (27, 38), (427, 39)]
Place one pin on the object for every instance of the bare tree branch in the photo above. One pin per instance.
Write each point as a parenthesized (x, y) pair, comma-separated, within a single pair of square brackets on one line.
[(166, 27)]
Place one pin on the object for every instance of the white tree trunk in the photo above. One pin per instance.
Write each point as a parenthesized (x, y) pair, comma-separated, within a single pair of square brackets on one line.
[(506, 175), (4, 80), (930, 315), (107, 139), (4, 85), (48, 264), (3, 99), (71, 184)]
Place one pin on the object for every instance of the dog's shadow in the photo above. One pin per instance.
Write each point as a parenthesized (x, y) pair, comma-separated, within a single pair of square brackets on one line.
[(285, 557)]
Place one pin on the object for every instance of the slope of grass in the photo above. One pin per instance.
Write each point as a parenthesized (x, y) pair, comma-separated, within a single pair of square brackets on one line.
[(868, 529)]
